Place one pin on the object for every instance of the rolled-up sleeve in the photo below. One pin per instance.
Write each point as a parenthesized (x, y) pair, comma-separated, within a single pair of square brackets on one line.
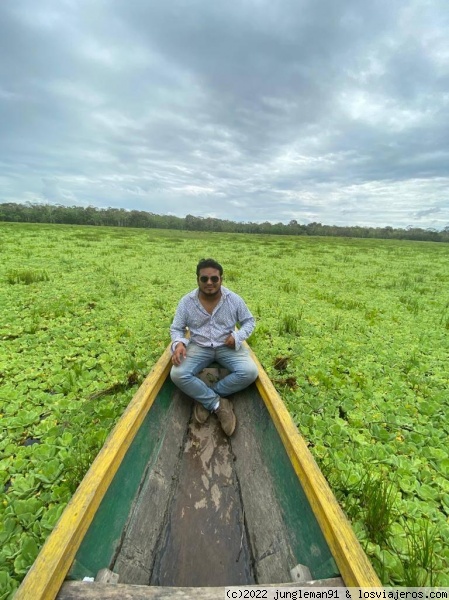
[(246, 321), (178, 329)]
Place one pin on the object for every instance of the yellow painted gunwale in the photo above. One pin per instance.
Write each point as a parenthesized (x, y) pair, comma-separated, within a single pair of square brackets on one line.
[(50, 568), (47, 574), (354, 566)]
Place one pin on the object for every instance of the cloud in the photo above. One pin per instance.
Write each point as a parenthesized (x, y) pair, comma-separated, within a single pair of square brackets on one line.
[(251, 110)]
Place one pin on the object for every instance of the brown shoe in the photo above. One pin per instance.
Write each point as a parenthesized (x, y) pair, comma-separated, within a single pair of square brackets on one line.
[(200, 413), (226, 416)]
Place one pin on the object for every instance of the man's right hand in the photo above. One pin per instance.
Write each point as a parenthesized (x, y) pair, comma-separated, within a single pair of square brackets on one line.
[(179, 354)]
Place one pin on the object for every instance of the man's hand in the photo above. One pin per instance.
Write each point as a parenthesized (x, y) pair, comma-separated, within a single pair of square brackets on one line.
[(179, 354), (230, 341)]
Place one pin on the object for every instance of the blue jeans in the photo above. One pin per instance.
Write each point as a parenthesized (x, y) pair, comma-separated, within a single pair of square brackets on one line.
[(243, 372)]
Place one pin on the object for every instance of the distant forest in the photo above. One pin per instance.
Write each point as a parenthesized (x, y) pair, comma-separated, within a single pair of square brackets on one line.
[(119, 217)]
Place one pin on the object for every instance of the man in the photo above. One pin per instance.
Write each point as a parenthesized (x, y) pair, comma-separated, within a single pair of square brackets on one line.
[(211, 313)]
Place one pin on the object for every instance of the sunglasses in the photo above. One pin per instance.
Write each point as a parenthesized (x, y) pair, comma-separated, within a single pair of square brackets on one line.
[(205, 279)]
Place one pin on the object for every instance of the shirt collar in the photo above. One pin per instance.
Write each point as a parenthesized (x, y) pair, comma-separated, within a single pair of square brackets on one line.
[(224, 292)]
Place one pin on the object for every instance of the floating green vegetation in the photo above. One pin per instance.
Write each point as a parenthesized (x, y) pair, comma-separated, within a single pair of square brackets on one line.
[(373, 501), (290, 324), (353, 332), (419, 559), (26, 276)]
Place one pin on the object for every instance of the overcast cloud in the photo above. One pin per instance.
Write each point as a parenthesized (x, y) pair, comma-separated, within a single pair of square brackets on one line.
[(334, 111)]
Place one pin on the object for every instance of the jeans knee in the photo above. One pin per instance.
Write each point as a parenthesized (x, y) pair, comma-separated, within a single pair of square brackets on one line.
[(248, 374), (176, 375), (252, 373), (180, 376)]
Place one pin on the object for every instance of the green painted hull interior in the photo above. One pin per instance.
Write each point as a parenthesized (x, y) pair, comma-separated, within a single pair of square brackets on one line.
[(112, 514), (306, 537), (99, 546)]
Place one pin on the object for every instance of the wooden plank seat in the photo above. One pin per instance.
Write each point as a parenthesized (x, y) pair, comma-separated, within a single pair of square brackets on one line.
[(80, 590)]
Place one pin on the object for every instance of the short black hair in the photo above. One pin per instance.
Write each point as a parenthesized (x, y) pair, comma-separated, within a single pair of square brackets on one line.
[(208, 263)]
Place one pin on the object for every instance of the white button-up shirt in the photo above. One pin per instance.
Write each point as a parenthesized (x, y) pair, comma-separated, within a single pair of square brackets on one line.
[(211, 330)]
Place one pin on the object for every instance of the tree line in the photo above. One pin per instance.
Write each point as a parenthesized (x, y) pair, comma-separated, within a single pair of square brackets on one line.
[(119, 217)]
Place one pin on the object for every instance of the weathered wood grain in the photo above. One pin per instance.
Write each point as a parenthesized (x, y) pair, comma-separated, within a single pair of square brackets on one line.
[(273, 557), (78, 590), (204, 541), (136, 556)]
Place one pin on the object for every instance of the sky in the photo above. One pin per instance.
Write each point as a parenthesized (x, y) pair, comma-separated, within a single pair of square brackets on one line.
[(330, 111)]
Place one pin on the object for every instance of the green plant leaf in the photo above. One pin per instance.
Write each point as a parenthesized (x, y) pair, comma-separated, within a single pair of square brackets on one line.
[(27, 554), (8, 585), (426, 492)]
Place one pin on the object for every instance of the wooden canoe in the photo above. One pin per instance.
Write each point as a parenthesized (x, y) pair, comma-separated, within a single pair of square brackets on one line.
[(172, 507)]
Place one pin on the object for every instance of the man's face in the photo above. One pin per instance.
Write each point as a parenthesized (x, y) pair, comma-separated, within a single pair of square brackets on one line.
[(209, 282)]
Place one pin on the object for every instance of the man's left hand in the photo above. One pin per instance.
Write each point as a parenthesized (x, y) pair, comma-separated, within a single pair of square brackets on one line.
[(230, 341)]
